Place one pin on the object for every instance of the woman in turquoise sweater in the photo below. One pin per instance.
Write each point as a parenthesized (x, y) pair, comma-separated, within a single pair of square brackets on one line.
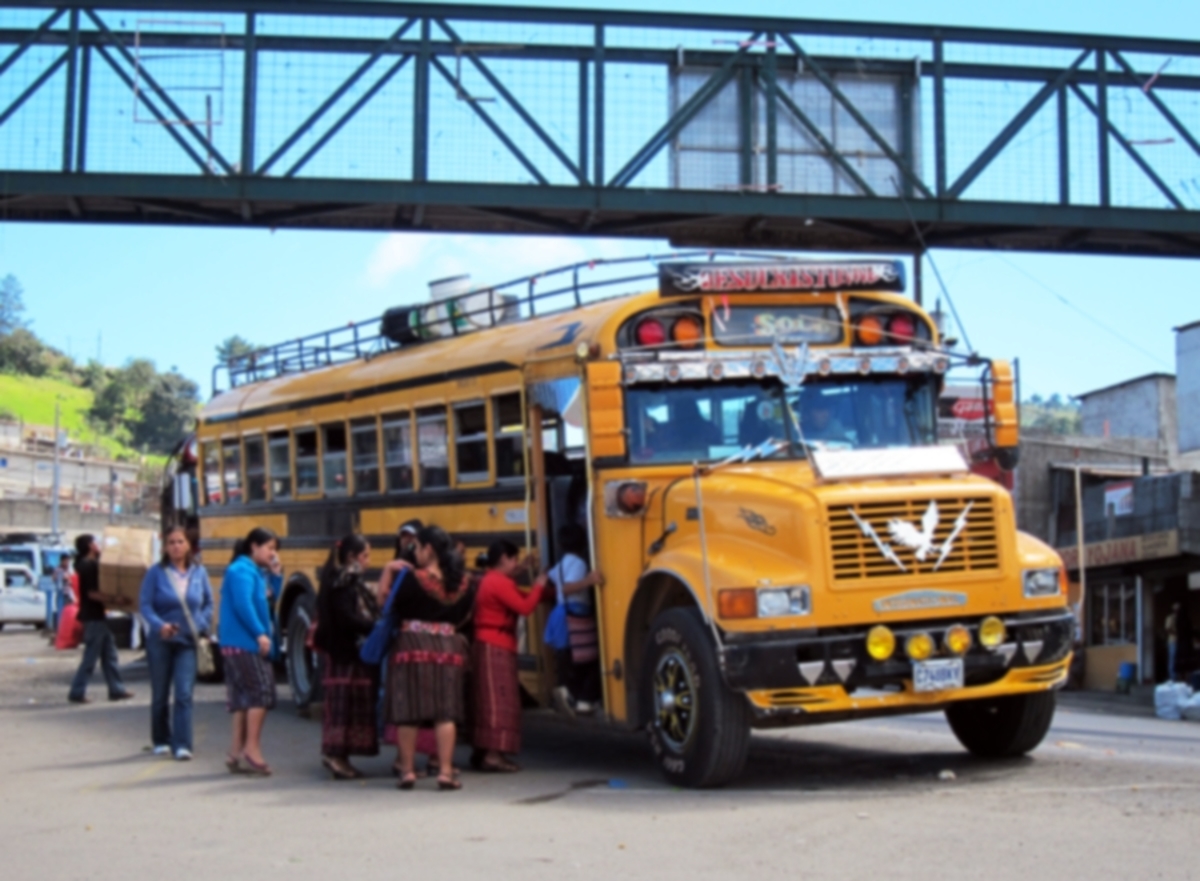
[(245, 635)]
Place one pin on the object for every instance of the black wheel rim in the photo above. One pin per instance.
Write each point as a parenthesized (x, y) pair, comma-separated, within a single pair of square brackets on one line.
[(674, 700)]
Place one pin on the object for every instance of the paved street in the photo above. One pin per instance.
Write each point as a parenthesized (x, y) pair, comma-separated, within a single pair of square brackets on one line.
[(1106, 796)]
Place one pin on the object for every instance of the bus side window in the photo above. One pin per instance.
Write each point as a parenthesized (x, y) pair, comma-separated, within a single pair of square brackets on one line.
[(397, 452), (212, 473), (231, 455), (256, 469), (364, 442), (509, 442), (433, 457), (334, 455), (471, 442), (281, 465), (307, 473)]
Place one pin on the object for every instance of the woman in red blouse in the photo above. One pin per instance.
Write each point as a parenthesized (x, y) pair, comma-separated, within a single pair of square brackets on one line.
[(494, 656)]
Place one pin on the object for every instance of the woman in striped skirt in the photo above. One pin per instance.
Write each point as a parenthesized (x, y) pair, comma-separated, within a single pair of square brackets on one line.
[(426, 665), (346, 613)]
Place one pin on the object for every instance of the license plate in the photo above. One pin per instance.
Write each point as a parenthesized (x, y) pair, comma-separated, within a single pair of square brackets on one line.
[(937, 675)]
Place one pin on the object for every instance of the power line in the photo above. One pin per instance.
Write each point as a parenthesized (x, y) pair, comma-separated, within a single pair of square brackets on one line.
[(1096, 321)]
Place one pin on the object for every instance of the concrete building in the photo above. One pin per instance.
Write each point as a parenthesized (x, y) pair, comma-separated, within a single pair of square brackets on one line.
[(1143, 407), (1187, 392), (1136, 471)]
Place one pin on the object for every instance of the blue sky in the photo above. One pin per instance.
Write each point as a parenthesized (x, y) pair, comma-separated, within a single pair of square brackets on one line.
[(172, 294)]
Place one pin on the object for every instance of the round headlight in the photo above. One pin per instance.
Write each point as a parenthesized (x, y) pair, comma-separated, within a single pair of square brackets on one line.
[(957, 640), (992, 632), (919, 646), (881, 642)]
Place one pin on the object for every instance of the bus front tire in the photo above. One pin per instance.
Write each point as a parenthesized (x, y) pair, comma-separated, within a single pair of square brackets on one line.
[(302, 672), (1002, 727), (699, 728)]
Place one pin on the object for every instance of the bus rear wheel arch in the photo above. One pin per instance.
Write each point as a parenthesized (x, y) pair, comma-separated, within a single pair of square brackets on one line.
[(699, 728), (303, 671)]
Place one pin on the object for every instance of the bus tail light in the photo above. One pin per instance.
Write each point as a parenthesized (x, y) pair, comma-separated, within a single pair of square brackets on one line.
[(650, 333), (740, 602)]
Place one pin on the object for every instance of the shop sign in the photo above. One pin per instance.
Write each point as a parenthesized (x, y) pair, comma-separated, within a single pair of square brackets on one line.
[(1151, 546)]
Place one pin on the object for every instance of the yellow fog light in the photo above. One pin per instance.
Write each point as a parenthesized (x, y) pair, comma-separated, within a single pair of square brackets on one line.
[(881, 642), (919, 646), (958, 640), (992, 632)]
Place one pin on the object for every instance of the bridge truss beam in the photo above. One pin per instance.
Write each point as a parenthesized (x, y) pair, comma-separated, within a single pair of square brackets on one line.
[(705, 130)]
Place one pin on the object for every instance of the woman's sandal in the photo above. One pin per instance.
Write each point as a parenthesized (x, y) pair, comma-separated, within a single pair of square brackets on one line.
[(500, 766), (406, 781), (340, 773), (257, 769), (449, 785), (234, 764)]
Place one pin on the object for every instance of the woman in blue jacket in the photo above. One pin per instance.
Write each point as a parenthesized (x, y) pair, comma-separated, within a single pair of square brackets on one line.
[(177, 605), (245, 634)]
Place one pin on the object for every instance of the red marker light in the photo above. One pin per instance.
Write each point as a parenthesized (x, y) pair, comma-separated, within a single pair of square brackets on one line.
[(902, 328), (650, 333)]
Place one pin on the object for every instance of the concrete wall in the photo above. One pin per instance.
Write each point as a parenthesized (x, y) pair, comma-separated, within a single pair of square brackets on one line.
[(23, 473), (1142, 408), (1035, 505), (1187, 388), (18, 515)]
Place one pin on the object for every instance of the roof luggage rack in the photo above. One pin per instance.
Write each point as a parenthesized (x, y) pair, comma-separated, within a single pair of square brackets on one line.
[(532, 296)]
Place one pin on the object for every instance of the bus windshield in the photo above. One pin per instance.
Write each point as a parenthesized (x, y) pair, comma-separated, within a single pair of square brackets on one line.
[(671, 423)]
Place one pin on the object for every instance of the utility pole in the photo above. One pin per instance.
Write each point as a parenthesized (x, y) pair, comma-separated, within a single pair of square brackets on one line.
[(57, 536)]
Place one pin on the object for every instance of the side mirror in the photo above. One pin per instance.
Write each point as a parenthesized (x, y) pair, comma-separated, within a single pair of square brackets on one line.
[(1002, 421), (606, 409)]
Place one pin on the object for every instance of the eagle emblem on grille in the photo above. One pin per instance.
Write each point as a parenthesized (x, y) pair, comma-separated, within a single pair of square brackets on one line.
[(918, 539)]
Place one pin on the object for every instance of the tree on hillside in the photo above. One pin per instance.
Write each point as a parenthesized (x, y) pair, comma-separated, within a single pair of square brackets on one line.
[(233, 348), (166, 413), (12, 305), (22, 352), (93, 376)]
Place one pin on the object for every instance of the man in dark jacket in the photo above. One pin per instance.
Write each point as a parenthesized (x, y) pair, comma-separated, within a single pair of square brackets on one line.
[(98, 642)]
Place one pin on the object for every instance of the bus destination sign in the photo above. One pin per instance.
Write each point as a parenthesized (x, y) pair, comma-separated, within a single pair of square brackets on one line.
[(752, 278)]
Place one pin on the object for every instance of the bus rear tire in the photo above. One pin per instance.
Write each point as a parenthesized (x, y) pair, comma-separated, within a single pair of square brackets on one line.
[(302, 669), (1002, 727), (699, 728)]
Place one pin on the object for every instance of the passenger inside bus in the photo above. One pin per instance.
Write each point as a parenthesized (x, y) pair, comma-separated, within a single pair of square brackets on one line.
[(686, 422)]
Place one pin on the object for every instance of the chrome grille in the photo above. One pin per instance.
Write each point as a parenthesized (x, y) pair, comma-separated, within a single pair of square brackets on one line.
[(856, 556)]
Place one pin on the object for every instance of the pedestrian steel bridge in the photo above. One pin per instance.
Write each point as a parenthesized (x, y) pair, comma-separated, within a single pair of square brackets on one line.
[(705, 130)]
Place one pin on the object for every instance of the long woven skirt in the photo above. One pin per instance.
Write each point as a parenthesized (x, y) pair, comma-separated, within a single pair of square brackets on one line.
[(351, 693), (425, 676), (249, 681), (497, 699)]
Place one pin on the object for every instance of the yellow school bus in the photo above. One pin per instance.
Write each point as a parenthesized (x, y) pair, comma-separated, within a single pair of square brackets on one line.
[(752, 446)]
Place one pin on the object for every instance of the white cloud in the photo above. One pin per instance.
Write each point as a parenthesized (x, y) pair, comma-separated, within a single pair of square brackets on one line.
[(414, 259)]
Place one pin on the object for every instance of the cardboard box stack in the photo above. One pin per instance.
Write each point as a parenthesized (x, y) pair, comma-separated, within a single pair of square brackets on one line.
[(125, 554)]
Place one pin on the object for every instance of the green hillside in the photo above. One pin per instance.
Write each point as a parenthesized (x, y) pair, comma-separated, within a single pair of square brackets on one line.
[(31, 399)]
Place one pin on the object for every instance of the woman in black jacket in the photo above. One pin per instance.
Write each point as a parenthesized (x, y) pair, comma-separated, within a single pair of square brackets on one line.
[(346, 613)]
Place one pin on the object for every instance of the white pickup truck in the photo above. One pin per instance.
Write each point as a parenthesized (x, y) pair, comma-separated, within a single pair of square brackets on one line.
[(21, 600)]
